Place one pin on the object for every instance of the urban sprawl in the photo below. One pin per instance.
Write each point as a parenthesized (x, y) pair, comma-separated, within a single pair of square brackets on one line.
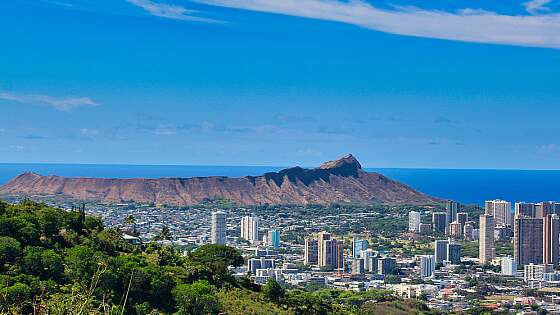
[(500, 257)]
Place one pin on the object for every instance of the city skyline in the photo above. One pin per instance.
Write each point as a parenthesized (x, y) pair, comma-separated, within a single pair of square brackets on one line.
[(254, 83), (280, 156)]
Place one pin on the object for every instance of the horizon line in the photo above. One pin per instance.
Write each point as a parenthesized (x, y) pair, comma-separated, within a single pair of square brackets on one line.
[(280, 167)]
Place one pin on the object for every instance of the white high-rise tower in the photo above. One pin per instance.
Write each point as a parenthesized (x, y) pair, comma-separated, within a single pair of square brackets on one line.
[(250, 228), (219, 227), (414, 221)]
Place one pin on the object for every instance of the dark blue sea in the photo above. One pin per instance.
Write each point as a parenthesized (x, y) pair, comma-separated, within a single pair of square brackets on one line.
[(465, 186)]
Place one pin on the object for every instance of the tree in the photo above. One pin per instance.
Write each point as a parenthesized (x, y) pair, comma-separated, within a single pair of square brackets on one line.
[(217, 258), (207, 254), (273, 291), (312, 303), (44, 263), (197, 298), (109, 241), (129, 219), (93, 223), (10, 248), (22, 227), (164, 234), (17, 293), (49, 221), (144, 308), (82, 263), (392, 279)]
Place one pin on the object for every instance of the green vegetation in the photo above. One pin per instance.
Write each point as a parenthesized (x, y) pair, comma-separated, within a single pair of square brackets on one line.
[(57, 262), (470, 248)]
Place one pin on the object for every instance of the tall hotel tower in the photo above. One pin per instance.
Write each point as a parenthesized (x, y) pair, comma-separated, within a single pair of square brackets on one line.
[(486, 239), (219, 227)]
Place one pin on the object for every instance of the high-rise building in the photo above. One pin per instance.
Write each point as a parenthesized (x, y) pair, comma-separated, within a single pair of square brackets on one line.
[(502, 233), (551, 232), (427, 266), (451, 209), (366, 255), (332, 254), (556, 208), (509, 266), (374, 263), (501, 211), (486, 246), (439, 222), (219, 228), (321, 238), (440, 250), (358, 266), (455, 229), (386, 265), (311, 253), (476, 234), (414, 221), (274, 238), (462, 218), (330, 251), (453, 253), (545, 208), (357, 247), (528, 241), (525, 209), (468, 231), (425, 228), (250, 228)]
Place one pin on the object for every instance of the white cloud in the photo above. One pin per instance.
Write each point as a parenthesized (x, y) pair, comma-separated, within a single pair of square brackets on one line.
[(17, 147), (464, 25), (170, 11), (548, 148), (536, 6), (89, 132), (164, 130), (63, 104)]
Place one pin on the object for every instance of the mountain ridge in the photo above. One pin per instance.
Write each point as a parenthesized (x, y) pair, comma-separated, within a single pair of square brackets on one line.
[(338, 181)]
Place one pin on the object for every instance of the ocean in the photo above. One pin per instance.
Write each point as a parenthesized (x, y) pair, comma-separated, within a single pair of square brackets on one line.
[(469, 186)]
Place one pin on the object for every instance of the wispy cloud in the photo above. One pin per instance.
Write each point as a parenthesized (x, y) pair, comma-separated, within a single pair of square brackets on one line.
[(444, 120), (537, 6), (285, 118), (464, 25), (169, 11), (34, 137), (335, 130), (549, 148), (165, 131), (17, 148), (89, 132), (63, 104)]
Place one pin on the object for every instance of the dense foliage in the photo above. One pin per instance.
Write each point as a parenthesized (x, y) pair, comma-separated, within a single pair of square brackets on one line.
[(58, 262)]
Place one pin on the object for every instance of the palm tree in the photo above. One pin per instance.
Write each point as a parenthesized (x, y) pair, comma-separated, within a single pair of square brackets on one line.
[(164, 234), (130, 220)]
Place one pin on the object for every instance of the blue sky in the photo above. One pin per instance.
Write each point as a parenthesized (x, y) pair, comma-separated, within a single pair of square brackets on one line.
[(467, 84)]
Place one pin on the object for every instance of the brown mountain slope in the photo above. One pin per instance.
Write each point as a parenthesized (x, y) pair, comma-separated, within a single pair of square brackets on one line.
[(339, 181)]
